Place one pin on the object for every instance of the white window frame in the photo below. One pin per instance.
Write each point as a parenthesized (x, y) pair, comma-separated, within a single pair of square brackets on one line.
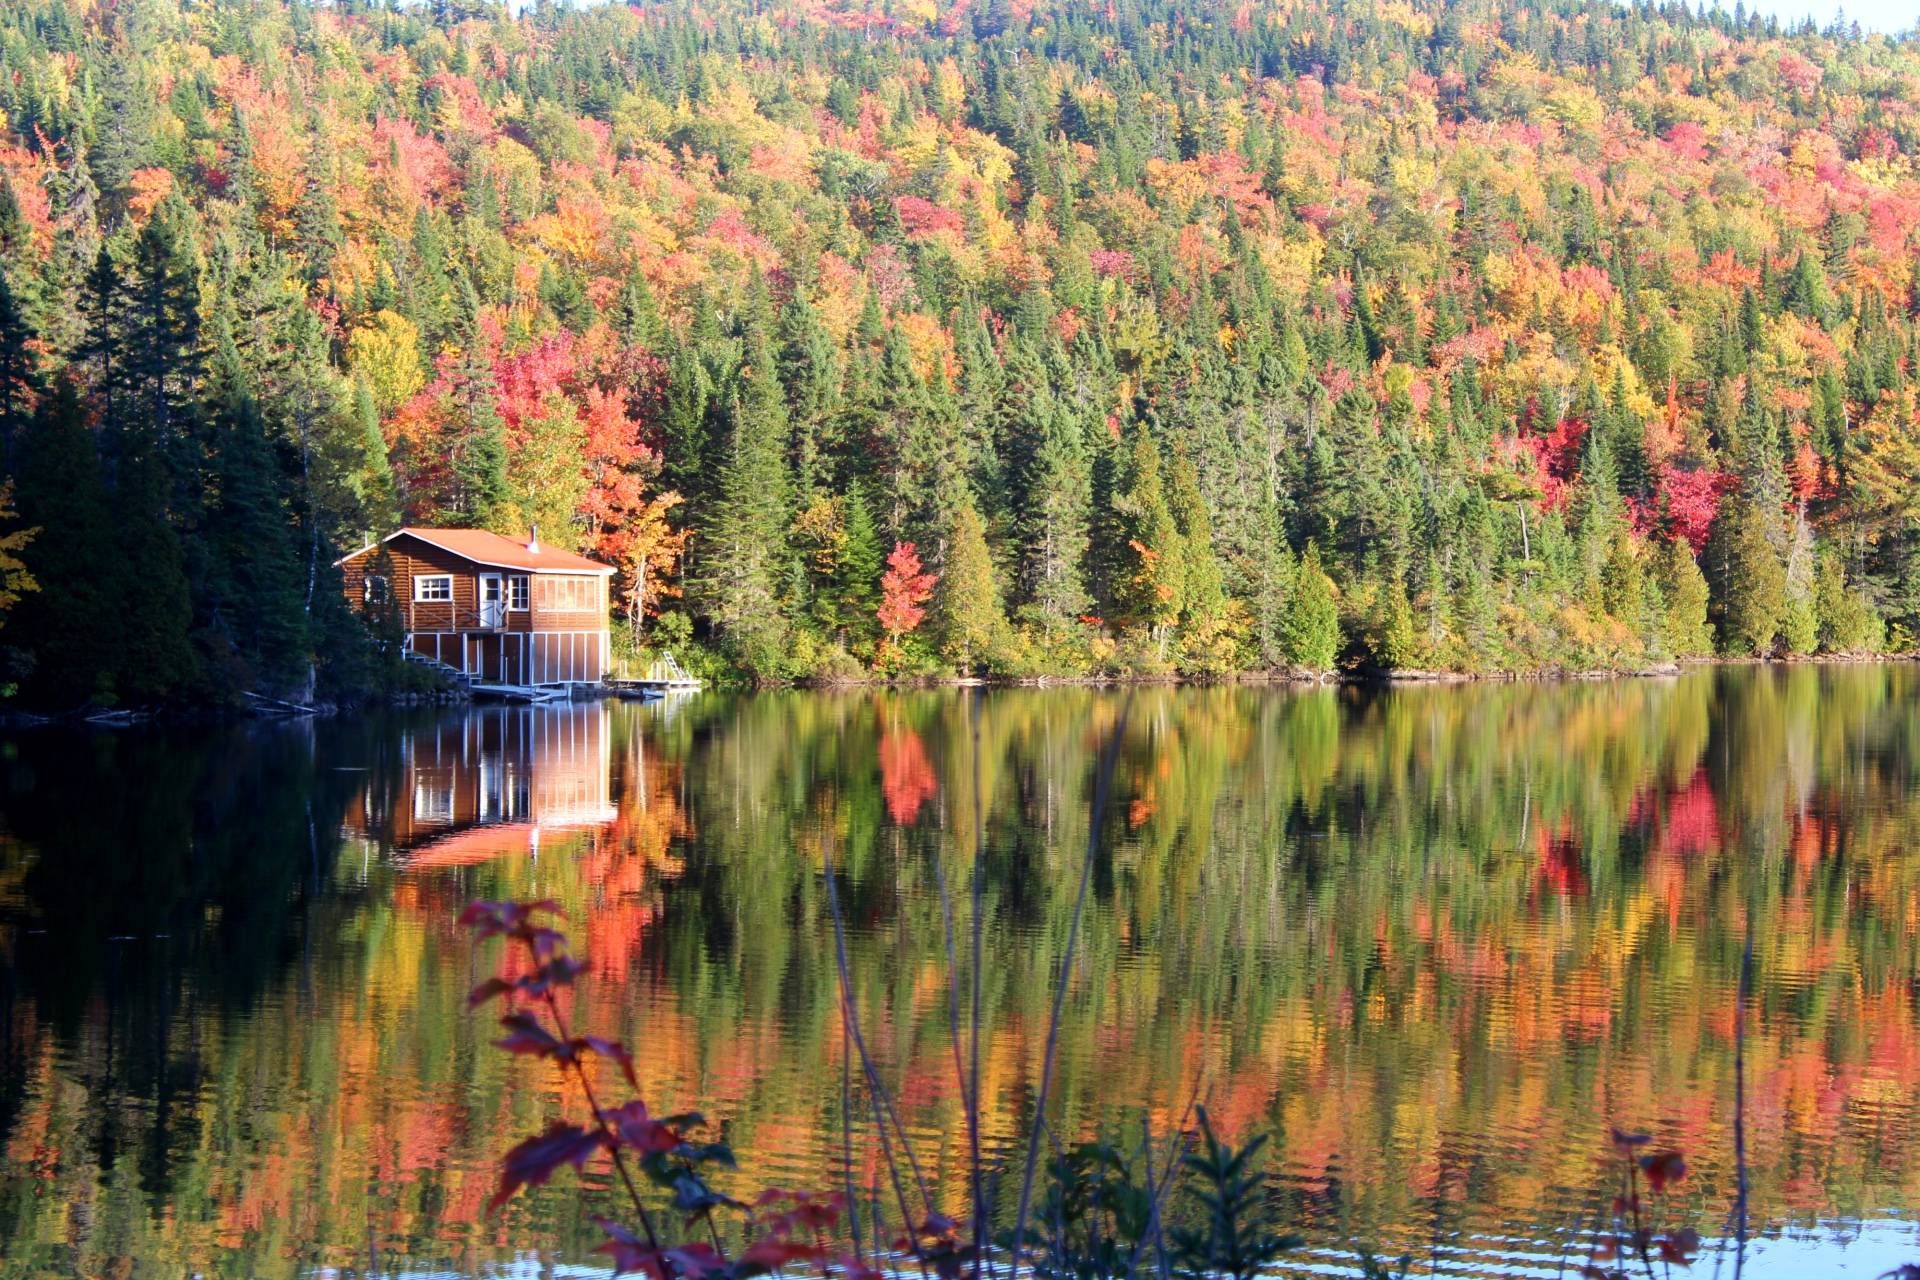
[(519, 593), (377, 589), (420, 595)]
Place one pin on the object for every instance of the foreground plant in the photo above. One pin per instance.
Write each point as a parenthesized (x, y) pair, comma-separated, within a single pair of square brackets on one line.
[(783, 1228), (1633, 1239)]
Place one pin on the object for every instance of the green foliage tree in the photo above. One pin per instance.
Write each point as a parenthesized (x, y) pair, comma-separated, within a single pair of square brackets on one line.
[(1750, 596), (968, 620), (1310, 633)]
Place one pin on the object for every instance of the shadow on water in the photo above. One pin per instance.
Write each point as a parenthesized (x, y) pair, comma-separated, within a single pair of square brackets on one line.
[(163, 864)]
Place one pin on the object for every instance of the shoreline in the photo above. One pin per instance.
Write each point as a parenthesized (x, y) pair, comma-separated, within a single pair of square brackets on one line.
[(1357, 677)]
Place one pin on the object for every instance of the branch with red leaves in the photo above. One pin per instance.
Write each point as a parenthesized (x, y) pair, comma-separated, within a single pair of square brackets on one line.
[(787, 1228), (1632, 1239)]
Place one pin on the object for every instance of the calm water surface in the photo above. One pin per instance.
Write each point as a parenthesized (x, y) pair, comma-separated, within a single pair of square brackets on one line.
[(1435, 941)]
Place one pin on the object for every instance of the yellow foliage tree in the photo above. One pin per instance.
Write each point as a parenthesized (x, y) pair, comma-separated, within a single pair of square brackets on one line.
[(384, 353)]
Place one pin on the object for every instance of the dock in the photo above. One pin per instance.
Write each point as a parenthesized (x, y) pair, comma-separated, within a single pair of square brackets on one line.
[(663, 676)]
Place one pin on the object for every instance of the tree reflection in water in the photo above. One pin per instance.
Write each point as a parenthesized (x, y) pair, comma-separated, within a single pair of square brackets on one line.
[(1436, 941)]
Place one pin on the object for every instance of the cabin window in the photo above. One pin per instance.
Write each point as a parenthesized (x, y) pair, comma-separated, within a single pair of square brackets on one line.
[(517, 594), (569, 594), (376, 587), (438, 586)]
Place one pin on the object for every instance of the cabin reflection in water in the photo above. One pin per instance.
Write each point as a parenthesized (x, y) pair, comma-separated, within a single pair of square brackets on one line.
[(490, 782)]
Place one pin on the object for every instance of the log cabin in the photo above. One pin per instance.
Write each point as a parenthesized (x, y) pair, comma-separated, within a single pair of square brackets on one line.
[(493, 608)]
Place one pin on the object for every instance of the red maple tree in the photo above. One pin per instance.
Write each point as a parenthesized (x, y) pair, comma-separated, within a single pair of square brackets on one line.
[(904, 591)]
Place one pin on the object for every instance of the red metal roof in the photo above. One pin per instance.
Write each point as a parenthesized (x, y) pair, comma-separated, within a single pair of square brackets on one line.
[(498, 552)]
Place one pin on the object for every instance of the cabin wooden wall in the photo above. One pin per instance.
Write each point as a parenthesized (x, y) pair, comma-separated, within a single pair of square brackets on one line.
[(557, 640), (407, 559)]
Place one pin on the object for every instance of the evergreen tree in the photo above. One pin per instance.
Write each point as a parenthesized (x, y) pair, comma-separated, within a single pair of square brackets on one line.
[(253, 606), (477, 453), (745, 537), (1750, 595), (18, 375), (1310, 635), (1800, 618), (1151, 590), (1847, 621), (69, 629), (857, 575), (968, 621), (1683, 590)]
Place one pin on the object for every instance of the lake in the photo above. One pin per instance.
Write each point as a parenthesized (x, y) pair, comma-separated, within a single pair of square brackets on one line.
[(1435, 940)]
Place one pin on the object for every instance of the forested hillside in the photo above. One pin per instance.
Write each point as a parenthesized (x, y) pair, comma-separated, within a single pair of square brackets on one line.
[(997, 335)]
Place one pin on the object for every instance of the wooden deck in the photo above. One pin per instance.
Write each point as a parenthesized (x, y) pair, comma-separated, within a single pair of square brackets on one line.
[(664, 676)]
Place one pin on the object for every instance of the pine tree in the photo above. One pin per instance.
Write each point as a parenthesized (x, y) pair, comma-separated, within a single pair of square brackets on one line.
[(477, 453), (316, 226), (1847, 622), (1800, 619), (18, 376), (812, 367), (161, 355), (637, 315), (1151, 590), (1051, 510)]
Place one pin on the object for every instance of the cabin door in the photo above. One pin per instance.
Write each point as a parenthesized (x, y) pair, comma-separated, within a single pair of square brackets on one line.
[(493, 601)]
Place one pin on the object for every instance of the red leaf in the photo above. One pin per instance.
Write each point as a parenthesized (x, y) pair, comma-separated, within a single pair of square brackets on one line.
[(557, 972), (486, 991), (630, 1253), (775, 1252), (903, 590), (1680, 1246), (1668, 1166), (636, 1129), (528, 1036), (695, 1260), (533, 1161), (610, 1049)]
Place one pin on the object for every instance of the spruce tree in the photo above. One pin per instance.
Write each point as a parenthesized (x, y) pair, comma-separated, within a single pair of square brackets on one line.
[(1683, 592), (1751, 590), (18, 376), (746, 534), (1847, 622), (856, 583), (254, 605), (68, 631), (1310, 635), (1800, 617), (477, 452), (966, 604), (1151, 589)]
